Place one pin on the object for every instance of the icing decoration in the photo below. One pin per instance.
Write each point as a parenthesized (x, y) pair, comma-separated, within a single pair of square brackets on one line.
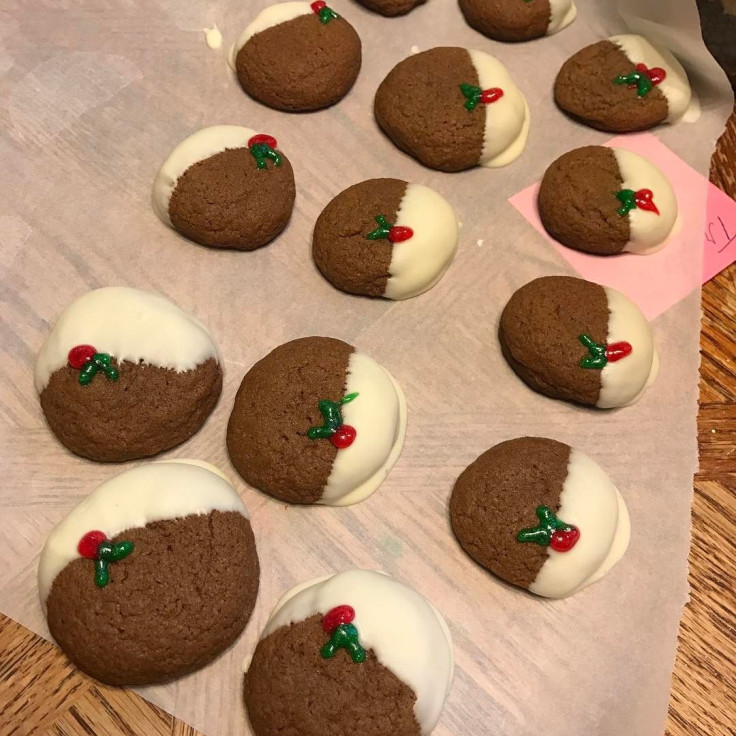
[(550, 532), (337, 622), (643, 79), (263, 147), (475, 96), (325, 13), (89, 363), (640, 199), (96, 546), (600, 355), (387, 231), (341, 435)]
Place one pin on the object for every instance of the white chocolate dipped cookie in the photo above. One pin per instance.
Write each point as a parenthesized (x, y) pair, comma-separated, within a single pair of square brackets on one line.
[(152, 575), (126, 374), (571, 339), (297, 56), (606, 201), (453, 108), (353, 632), (541, 515), (519, 20), (226, 186), (623, 84), (316, 421), (385, 237)]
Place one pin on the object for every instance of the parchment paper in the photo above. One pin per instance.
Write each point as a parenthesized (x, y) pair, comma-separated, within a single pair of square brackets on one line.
[(95, 94)]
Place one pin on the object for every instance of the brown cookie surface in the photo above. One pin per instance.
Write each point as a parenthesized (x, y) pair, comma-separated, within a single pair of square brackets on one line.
[(508, 21), (276, 404), (301, 64), (341, 250), (226, 201), (182, 596), (291, 690), (420, 107), (585, 89), (540, 332), (577, 201), (146, 411), (391, 8), (496, 496)]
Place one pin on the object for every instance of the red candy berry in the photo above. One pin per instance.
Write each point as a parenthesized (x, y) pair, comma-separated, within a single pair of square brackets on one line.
[(318, 5), (644, 200), (656, 73), (268, 140), (79, 355), (399, 233), (617, 350), (89, 543), (564, 540), (343, 436), (487, 96), (337, 616)]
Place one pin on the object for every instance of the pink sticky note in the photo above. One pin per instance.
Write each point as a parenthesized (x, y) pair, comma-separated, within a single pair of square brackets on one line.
[(656, 282)]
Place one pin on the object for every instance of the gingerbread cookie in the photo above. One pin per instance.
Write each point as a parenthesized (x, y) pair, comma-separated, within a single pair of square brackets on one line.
[(451, 108), (541, 515), (607, 200), (574, 340), (152, 576), (353, 648), (623, 84), (317, 422), (518, 20), (385, 237), (297, 56), (391, 8), (126, 374), (226, 187)]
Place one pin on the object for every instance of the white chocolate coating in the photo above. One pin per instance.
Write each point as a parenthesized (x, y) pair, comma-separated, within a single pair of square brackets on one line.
[(157, 491), (675, 86), (507, 119), (129, 324), (624, 381), (269, 17), (379, 416), (197, 147), (591, 502), (406, 632), (648, 231), (419, 263), (213, 37), (563, 12)]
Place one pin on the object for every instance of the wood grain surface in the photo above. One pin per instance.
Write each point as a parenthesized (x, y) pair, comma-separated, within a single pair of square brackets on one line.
[(42, 693)]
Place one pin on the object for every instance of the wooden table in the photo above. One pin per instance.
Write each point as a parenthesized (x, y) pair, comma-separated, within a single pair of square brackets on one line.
[(41, 693)]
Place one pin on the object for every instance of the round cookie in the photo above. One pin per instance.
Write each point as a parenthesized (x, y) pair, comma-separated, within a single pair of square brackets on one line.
[(317, 422), (385, 237), (226, 187), (623, 84), (152, 576), (451, 108), (352, 651), (541, 515), (518, 20), (607, 200), (391, 8), (571, 339), (126, 374), (297, 56)]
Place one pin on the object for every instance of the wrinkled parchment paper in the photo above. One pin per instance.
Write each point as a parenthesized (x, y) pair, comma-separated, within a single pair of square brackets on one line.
[(95, 94)]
